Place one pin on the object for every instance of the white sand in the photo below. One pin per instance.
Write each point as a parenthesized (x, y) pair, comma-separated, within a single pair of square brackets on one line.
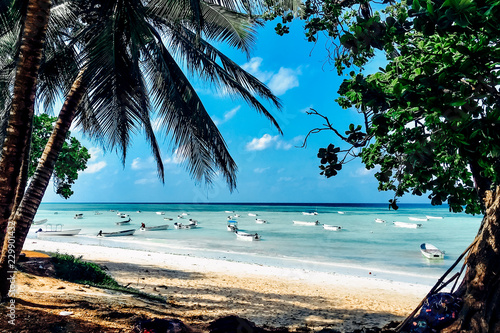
[(266, 295)]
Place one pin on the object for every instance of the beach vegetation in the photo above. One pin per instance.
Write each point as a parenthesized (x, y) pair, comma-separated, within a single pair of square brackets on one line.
[(429, 115), (120, 68)]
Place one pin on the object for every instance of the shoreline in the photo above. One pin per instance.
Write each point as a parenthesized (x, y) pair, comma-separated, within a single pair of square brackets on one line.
[(266, 295)]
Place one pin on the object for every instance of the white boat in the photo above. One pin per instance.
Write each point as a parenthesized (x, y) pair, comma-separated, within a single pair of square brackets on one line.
[(124, 216), (421, 219), (247, 236), (237, 215), (160, 213), (232, 225), (332, 227), (128, 232), (56, 230), (154, 228), (123, 222), (168, 218), (309, 213), (379, 220), (306, 223), (252, 214), (78, 216), (434, 217), (229, 211), (341, 212), (184, 214), (184, 226), (431, 252), (39, 222), (407, 225), (260, 221)]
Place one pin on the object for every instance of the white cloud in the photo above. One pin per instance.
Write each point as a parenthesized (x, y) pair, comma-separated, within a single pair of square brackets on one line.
[(253, 67), (94, 152), (268, 141), (263, 143), (280, 82), (227, 116), (144, 181), (95, 167), (285, 80), (285, 179), (260, 170), (139, 164), (362, 172)]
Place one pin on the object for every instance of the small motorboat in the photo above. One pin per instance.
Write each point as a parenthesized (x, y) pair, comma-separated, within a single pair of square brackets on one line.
[(309, 213), (252, 214), (332, 227), (421, 219), (431, 252), (247, 236), (232, 225), (78, 216), (379, 220), (154, 228), (407, 225), (160, 213), (123, 222), (128, 232), (260, 221), (306, 223), (39, 222), (56, 230), (178, 225), (434, 217)]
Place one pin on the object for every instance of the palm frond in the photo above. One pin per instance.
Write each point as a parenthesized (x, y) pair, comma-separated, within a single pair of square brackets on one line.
[(203, 61), (183, 116)]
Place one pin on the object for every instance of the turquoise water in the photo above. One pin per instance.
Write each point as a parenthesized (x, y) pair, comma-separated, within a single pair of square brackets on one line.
[(361, 247)]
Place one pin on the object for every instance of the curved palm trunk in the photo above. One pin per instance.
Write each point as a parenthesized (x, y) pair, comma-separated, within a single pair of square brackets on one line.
[(17, 141), (480, 288), (21, 220)]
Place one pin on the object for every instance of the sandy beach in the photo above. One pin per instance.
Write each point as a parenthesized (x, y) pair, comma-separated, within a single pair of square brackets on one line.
[(200, 290)]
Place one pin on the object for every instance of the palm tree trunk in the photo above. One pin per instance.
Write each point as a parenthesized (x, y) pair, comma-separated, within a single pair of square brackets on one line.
[(21, 220), (16, 144)]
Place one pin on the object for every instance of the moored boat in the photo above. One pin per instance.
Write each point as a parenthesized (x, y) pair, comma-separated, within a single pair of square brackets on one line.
[(421, 219), (78, 216), (232, 225), (252, 214), (407, 225), (123, 222), (260, 221), (160, 213), (309, 213), (128, 232), (332, 227), (379, 220), (434, 217), (40, 222), (56, 230), (178, 225), (247, 236), (305, 223), (431, 252), (154, 228)]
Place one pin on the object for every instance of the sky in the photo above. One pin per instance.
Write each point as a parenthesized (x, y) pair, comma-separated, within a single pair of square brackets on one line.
[(271, 167)]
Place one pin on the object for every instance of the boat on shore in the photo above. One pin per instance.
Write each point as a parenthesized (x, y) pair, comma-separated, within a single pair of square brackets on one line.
[(56, 230), (379, 220), (306, 223), (123, 222), (154, 228), (431, 252), (407, 225), (40, 222), (247, 236), (128, 232), (260, 221), (332, 227)]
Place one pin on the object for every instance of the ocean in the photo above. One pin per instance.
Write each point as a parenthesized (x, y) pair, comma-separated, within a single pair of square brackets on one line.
[(362, 247)]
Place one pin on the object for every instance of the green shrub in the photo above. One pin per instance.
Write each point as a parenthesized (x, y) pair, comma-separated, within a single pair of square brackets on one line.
[(74, 269)]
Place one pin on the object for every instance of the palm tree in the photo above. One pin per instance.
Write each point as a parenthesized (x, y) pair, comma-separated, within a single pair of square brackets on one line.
[(128, 72)]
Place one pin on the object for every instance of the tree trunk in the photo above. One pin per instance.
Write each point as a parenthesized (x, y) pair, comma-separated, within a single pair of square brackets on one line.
[(23, 217), (16, 144), (480, 288)]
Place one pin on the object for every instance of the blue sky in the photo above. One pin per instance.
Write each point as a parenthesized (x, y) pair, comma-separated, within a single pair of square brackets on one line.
[(271, 166)]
